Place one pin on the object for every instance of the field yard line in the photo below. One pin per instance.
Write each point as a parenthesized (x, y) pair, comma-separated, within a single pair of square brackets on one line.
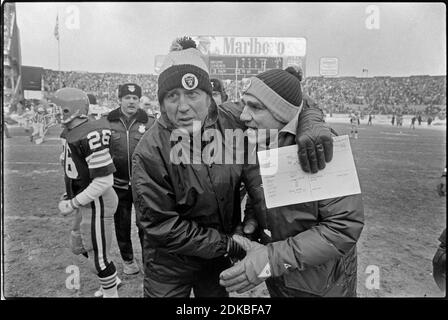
[(53, 139), (399, 134), (388, 169), (32, 145), (399, 152), (43, 163), (8, 171), (35, 218)]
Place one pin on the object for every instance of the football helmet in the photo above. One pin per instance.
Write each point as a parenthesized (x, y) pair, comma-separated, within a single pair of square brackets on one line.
[(73, 103)]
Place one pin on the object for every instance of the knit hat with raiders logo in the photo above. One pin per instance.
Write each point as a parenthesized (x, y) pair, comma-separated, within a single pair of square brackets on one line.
[(184, 67), (279, 90), (129, 88)]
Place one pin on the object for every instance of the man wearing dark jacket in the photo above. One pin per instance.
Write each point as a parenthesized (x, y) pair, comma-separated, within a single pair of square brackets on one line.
[(439, 259), (219, 94), (128, 124)]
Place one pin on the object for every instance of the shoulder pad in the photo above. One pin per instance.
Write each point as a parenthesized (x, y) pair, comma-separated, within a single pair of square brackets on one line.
[(84, 129)]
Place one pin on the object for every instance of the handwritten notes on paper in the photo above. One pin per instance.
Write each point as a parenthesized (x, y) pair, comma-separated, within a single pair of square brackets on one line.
[(285, 183)]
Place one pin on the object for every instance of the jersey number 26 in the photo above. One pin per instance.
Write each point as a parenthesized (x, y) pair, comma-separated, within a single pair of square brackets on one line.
[(96, 139)]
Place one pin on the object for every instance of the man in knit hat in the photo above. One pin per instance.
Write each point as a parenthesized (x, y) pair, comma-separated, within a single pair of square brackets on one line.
[(315, 255), (219, 94), (189, 210), (307, 100), (128, 124)]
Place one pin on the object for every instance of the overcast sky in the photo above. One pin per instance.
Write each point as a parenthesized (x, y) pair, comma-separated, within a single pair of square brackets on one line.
[(125, 37)]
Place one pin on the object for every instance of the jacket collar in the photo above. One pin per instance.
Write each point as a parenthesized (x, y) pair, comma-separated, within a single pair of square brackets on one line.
[(116, 115), (291, 126), (287, 135)]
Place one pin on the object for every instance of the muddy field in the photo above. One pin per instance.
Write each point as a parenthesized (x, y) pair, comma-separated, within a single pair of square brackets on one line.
[(398, 170)]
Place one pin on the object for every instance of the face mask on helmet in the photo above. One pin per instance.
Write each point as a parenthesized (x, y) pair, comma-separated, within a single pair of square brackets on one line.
[(72, 103)]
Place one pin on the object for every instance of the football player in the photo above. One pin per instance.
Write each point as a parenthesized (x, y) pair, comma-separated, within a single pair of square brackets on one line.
[(354, 121), (38, 125), (88, 169)]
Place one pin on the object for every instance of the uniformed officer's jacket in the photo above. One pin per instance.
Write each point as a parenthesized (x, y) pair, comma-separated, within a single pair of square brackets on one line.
[(125, 137)]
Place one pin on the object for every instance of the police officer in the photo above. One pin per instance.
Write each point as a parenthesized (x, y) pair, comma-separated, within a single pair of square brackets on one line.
[(128, 124), (219, 94)]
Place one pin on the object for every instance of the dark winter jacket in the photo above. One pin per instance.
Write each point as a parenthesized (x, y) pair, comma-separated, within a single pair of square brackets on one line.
[(125, 138), (313, 244), (439, 263), (186, 209)]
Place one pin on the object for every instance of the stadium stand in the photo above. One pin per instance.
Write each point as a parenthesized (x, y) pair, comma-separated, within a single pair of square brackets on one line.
[(425, 94)]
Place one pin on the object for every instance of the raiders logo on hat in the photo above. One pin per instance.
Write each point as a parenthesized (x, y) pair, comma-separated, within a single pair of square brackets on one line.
[(131, 88), (190, 81)]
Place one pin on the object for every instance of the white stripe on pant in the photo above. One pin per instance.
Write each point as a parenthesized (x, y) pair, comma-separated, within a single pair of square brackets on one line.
[(96, 228)]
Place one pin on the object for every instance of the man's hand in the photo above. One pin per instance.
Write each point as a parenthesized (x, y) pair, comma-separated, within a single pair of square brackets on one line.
[(67, 206), (249, 272), (247, 228), (314, 140)]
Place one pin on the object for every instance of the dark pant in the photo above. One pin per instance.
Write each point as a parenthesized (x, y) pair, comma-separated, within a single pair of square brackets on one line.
[(277, 289), (439, 268), (122, 220), (205, 283)]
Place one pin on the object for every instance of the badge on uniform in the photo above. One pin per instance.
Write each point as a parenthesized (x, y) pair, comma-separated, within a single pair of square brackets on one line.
[(190, 81), (141, 129)]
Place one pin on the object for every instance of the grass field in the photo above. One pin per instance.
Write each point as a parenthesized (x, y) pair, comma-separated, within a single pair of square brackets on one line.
[(398, 170)]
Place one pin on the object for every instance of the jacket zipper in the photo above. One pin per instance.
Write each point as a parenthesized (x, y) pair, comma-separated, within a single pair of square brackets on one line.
[(127, 146)]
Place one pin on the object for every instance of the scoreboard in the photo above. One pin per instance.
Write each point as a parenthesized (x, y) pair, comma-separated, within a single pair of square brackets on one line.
[(235, 67), (231, 58)]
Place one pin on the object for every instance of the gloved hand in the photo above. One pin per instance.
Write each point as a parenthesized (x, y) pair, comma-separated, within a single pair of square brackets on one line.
[(249, 272), (67, 206), (314, 140)]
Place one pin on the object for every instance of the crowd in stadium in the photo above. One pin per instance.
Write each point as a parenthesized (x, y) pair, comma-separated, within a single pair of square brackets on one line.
[(103, 85), (381, 94)]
